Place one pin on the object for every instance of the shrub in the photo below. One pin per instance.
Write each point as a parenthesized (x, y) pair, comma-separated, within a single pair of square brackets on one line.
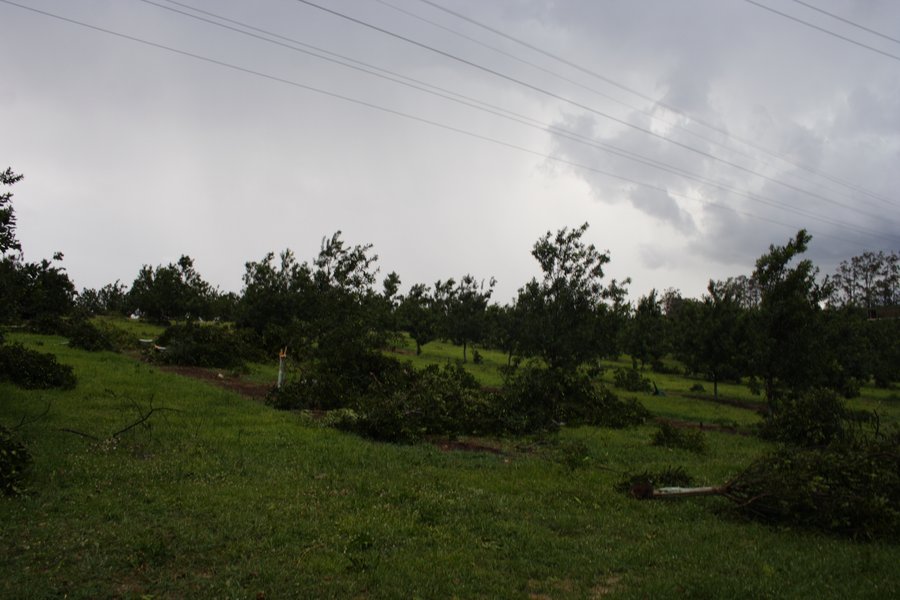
[(14, 462), (669, 436), (326, 385), (849, 489), (814, 418), (537, 399), (194, 345), (698, 387), (443, 400), (631, 380), (83, 334), (48, 325), (33, 370)]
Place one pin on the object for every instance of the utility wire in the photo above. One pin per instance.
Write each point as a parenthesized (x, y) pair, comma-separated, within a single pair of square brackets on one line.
[(823, 30), (648, 113), (847, 21), (710, 126), (409, 116), (590, 109), (494, 110)]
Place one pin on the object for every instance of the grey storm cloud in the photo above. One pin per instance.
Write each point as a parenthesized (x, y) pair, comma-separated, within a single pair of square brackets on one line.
[(136, 154)]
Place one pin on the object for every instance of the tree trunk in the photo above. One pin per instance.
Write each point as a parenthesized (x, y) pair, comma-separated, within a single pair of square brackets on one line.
[(465, 345)]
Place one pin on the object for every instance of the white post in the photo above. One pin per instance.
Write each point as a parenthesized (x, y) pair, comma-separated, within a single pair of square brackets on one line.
[(281, 356)]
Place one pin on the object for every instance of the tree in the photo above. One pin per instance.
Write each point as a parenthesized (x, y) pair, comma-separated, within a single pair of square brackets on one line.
[(174, 291), (465, 308), (789, 345), (566, 320), (868, 280), (722, 333), (645, 337), (8, 239), (277, 300), (417, 316)]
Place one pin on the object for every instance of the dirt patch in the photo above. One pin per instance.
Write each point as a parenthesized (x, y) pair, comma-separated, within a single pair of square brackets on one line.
[(679, 424), (465, 446), (250, 389), (756, 407)]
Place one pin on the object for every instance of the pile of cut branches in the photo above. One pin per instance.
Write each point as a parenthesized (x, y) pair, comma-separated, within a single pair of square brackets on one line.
[(851, 489)]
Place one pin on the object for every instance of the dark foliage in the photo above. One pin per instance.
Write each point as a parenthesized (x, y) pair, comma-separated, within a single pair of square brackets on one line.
[(669, 436), (14, 462), (631, 380), (641, 485), (195, 345), (436, 401), (33, 370), (86, 336), (848, 489), (813, 418), (536, 399)]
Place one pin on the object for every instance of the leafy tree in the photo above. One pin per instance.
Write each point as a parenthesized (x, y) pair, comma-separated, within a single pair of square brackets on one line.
[(645, 335), (465, 311), (417, 316), (868, 280), (722, 331), (174, 291), (566, 320), (277, 300), (31, 290), (502, 329), (789, 342), (8, 239)]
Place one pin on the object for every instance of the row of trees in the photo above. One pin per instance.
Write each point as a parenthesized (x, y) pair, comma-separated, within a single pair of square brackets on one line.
[(782, 326)]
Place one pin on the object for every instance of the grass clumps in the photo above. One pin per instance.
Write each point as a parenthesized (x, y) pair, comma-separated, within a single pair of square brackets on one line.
[(15, 459)]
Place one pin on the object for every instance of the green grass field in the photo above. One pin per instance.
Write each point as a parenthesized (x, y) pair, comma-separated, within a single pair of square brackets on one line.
[(222, 497)]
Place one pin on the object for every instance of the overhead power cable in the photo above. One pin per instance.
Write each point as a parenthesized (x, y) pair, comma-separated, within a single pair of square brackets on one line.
[(836, 180), (589, 109), (847, 21), (470, 102), (647, 113), (823, 30), (405, 115)]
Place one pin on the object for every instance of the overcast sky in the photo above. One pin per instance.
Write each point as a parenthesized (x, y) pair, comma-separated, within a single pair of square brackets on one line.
[(690, 134)]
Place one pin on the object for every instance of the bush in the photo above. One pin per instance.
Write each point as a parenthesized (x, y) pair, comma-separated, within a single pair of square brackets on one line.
[(33, 370), (537, 399), (14, 462), (849, 489), (48, 325), (814, 418), (194, 345), (632, 381), (83, 334), (669, 436), (443, 400), (698, 387)]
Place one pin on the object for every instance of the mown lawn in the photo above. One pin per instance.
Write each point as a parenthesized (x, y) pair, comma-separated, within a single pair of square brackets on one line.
[(222, 497)]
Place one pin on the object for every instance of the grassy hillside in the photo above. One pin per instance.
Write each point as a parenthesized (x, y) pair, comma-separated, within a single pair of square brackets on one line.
[(219, 496)]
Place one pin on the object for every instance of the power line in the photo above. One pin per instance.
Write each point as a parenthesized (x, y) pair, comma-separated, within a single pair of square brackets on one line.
[(847, 21), (587, 108), (710, 126), (408, 116), (823, 30), (498, 111), (502, 113), (647, 113)]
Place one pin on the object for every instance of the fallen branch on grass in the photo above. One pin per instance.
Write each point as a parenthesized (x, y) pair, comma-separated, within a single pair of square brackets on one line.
[(142, 419), (852, 490)]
